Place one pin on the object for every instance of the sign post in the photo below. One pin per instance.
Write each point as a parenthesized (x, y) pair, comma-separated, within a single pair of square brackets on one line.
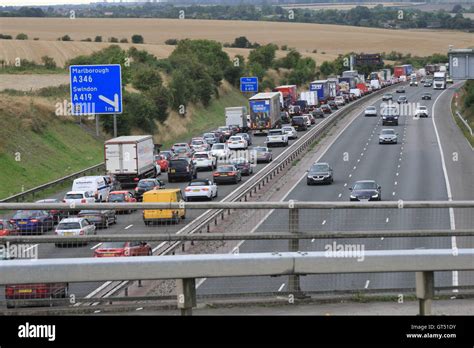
[(96, 89)]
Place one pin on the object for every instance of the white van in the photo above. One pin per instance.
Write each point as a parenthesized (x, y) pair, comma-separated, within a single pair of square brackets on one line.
[(96, 186)]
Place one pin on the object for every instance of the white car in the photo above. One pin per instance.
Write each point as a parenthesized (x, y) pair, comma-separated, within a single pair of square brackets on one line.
[(388, 136), (276, 137), (339, 100), (75, 197), (200, 145), (220, 150), (421, 111), (370, 111), (74, 227), (290, 131), (200, 188), (307, 120), (237, 142), (204, 160)]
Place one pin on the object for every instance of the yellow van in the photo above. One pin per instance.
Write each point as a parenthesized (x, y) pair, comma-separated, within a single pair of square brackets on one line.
[(163, 215)]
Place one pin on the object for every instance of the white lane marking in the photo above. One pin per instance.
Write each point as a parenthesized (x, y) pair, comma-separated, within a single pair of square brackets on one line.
[(139, 309), (395, 183), (397, 174), (31, 247), (345, 184), (382, 238), (98, 311), (367, 284), (354, 168), (95, 246), (393, 193), (452, 222), (350, 175), (340, 195), (387, 220), (281, 287), (399, 166), (324, 222), (359, 159), (128, 227), (312, 240)]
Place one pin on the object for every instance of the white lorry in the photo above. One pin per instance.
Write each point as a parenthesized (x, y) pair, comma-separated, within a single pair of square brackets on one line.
[(439, 80), (311, 98), (237, 116), (130, 158)]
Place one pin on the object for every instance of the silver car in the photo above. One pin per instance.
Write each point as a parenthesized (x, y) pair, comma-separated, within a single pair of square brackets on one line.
[(290, 131), (370, 111), (388, 136)]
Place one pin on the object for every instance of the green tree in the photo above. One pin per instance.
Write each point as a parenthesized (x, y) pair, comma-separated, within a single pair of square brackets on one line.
[(145, 78), (235, 71), (48, 62), (98, 38), (242, 42), (160, 96), (137, 39), (263, 55), (22, 36)]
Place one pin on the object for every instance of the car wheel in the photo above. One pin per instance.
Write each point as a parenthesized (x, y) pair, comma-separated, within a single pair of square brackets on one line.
[(147, 223), (150, 252), (215, 196)]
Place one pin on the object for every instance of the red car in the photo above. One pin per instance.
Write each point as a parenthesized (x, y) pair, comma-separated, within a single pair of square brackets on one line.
[(162, 161), (7, 228), (34, 291), (121, 197), (115, 249)]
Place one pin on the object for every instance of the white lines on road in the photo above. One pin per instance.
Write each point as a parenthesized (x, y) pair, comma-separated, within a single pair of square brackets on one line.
[(281, 287), (398, 166), (395, 183), (128, 227), (312, 240), (367, 284), (340, 195), (31, 247), (397, 174), (95, 246), (350, 175), (324, 222), (354, 168), (345, 184), (393, 193), (387, 220), (139, 309)]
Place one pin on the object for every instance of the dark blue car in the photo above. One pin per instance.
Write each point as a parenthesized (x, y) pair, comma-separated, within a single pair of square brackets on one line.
[(33, 221)]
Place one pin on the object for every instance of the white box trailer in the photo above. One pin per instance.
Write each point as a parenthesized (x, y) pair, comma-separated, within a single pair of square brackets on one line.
[(311, 97), (237, 116), (130, 158)]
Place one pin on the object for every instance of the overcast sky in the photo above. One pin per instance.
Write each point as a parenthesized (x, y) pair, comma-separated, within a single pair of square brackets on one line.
[(43, 2)]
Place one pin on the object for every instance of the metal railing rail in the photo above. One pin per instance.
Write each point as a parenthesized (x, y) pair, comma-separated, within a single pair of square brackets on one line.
[(33, 191), (186, 268), (298, 235)]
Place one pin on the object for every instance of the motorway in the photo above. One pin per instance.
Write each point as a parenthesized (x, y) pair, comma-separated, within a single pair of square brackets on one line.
[(413, 169), (410, 170)]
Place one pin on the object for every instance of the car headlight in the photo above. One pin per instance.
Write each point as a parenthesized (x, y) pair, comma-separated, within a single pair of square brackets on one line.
[(385, 117)]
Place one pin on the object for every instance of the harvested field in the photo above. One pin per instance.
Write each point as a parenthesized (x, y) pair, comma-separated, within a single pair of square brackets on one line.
[(331, 39)]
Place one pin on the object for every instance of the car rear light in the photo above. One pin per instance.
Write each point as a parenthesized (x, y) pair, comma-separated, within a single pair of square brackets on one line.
[(9, 291), (232, 173), (64, 201), (205, 189), (83, 200), (187, 190), (12, 221), (215, 174), (81, 232), (136, 179), (34, 220), (42, 290)]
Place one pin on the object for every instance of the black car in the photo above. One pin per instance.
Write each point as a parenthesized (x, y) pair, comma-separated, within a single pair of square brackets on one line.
[(332, 104), (227, 174), (210, 138), (387, 97), (390, 116), (319, 173), (181, 169), (146, 185), (299, 123), (219, 135), (284, 117), (401, 90), (366, 190), (55, 213), (326, 108), (100, 218), (426, 96), (402, 100), (317, 113), (243, 165)]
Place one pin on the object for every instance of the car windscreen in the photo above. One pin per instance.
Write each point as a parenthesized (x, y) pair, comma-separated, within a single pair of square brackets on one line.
[(117, 197), (26, 214), (286, 129), (319, 168), (112, 245), (388, 131), (260, 149), (69, 226), (218, 147), (238, 160), (372, 108), (365, 186), (298, 120), (201, 155), (209, 135), (224, 169), (89, 212), (74, 196), (235, 138), (146, 184), (199, 183), (179, 163)]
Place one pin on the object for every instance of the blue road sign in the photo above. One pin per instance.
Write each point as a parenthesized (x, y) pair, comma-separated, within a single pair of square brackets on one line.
[(96, 89), (249, 84)]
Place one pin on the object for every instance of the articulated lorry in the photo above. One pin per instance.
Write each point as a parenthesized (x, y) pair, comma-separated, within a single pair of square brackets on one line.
[(264, 111), (439, 80), (130, 158), (322, 88)]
